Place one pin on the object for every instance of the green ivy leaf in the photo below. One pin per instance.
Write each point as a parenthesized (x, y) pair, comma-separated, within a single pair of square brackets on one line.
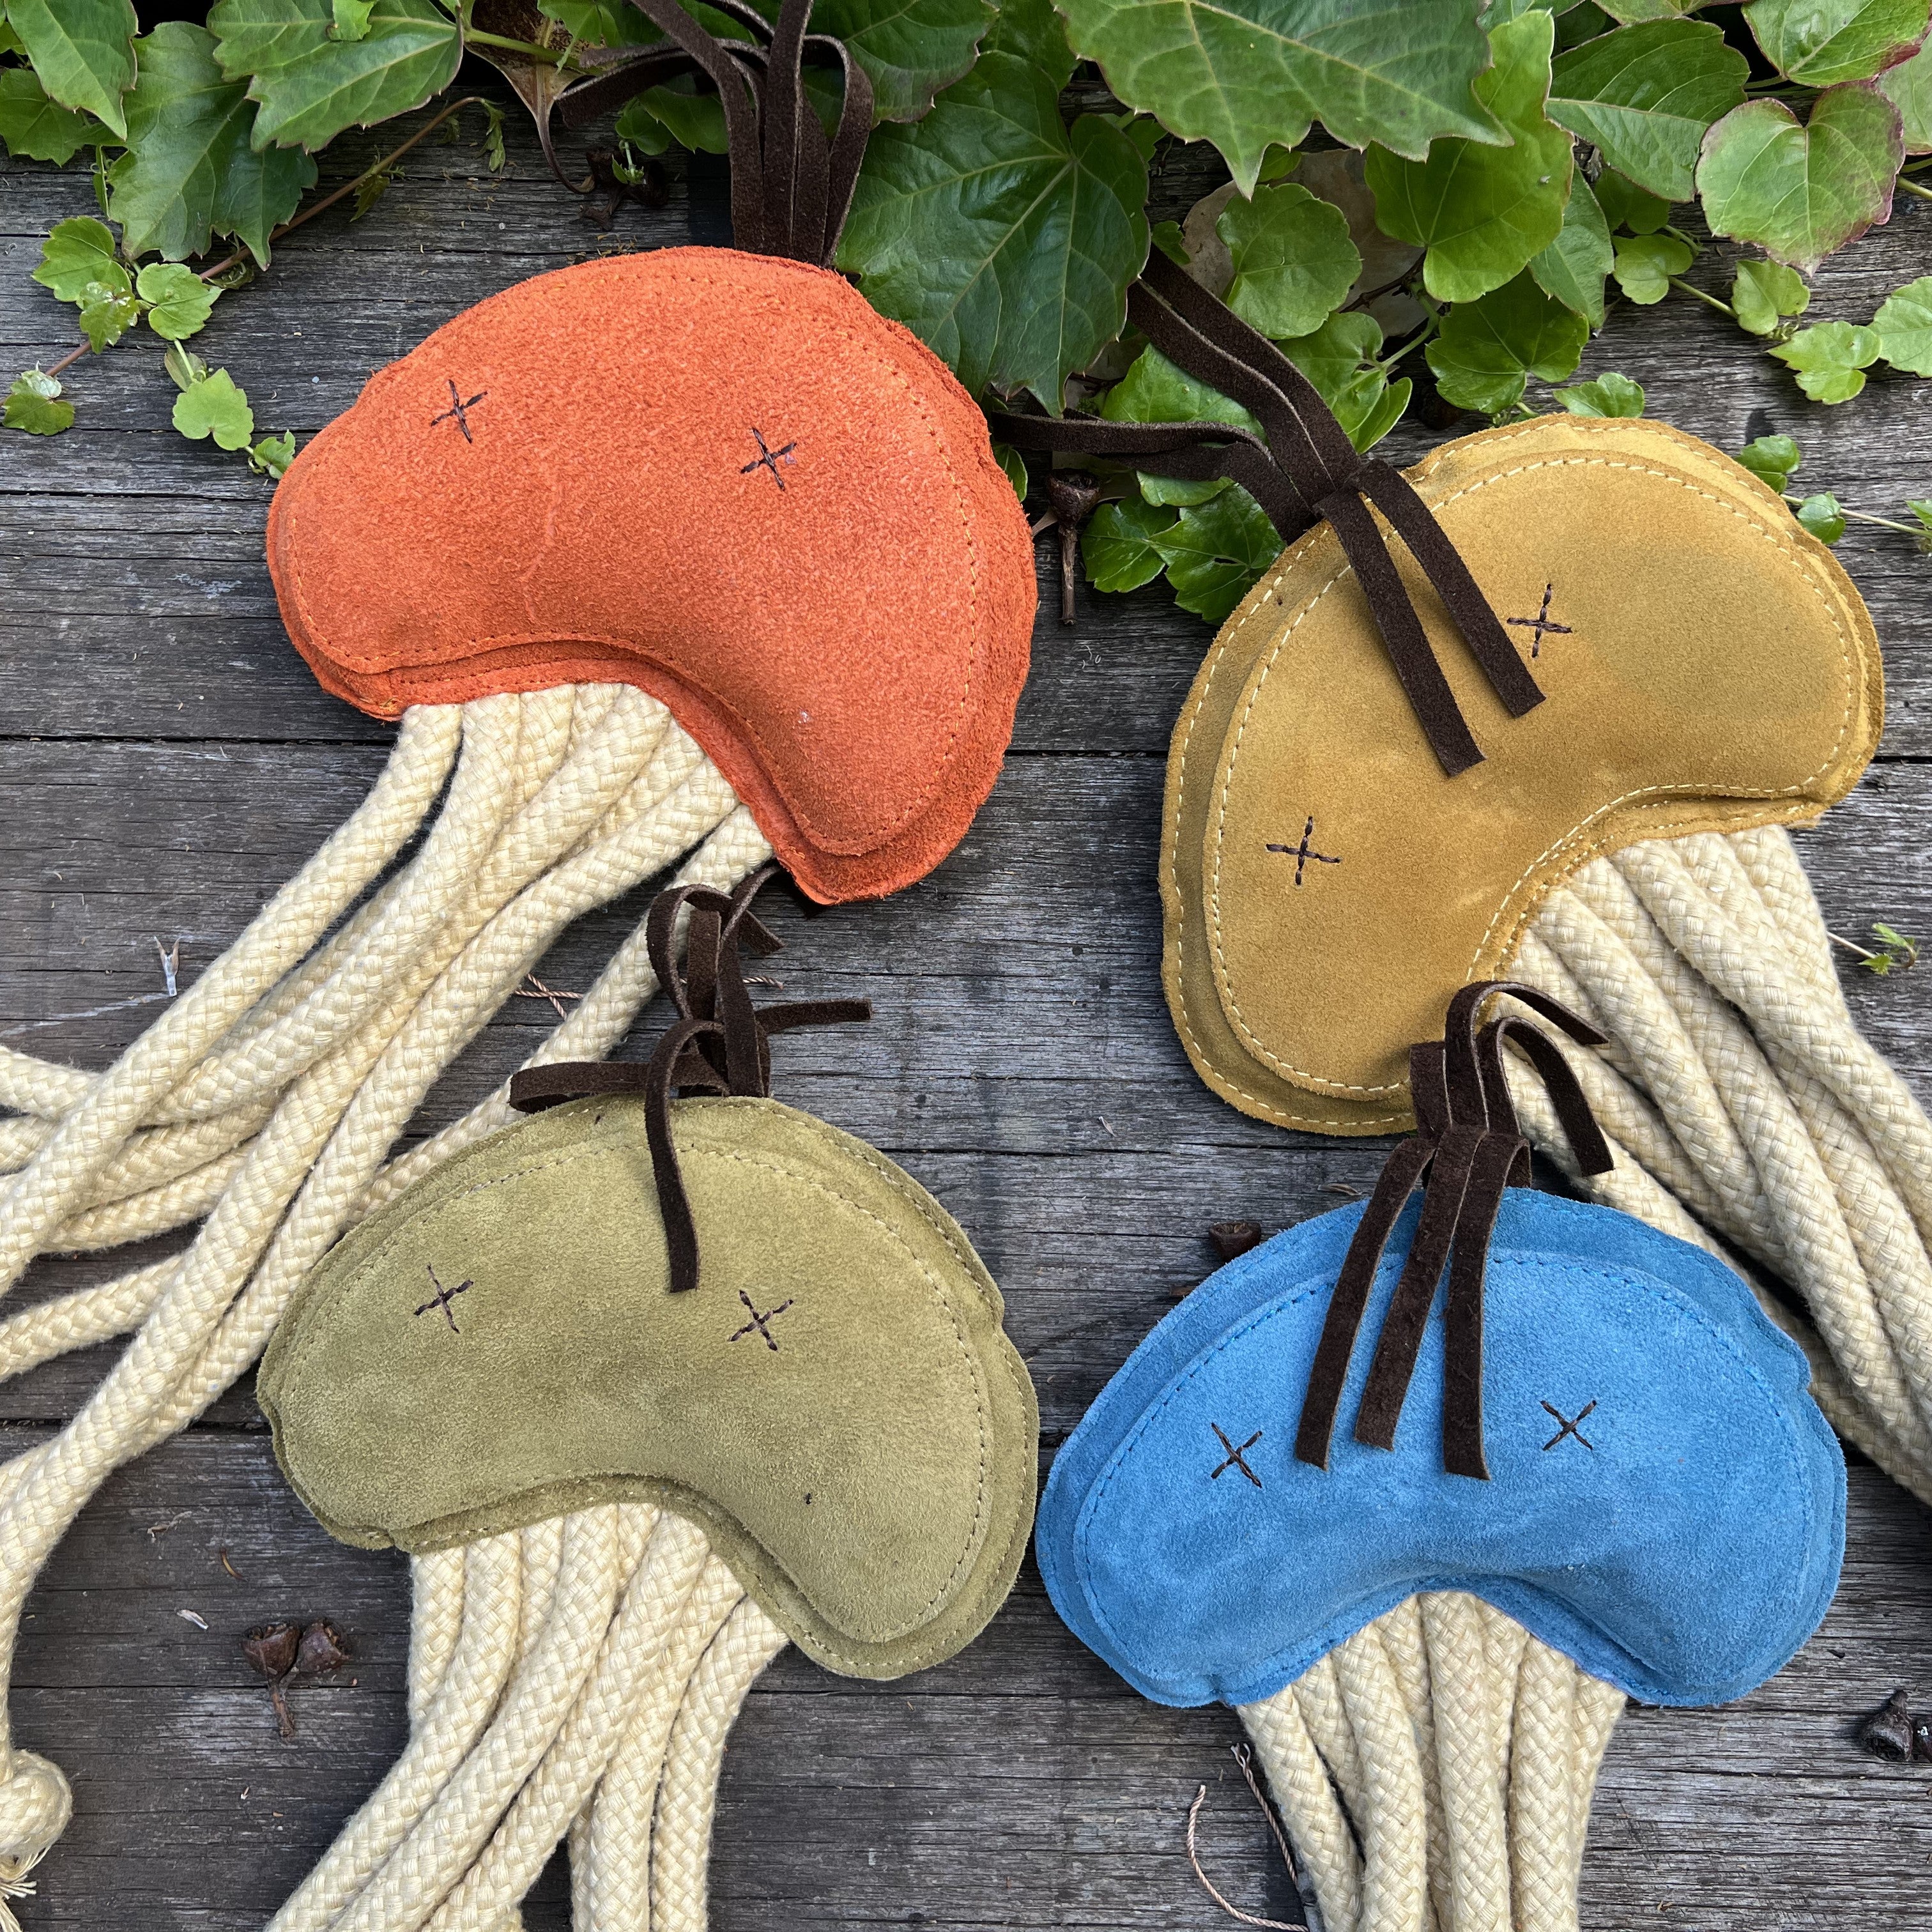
[(1908, 86), (273, 454), (193, 168), (77, 253), (179, 302), (1816, 42), (1646, 262), (10, 42), (1629, 12), (1645, 94), (1339, 358), (1904, 326), (910, 49), (1488, 349), (351, 19), (37, 128), (1118, 546), (107, 314), (1764, 293), (1243, 73), (1772, 460), (1830, 359), (83, 52), (693, 121), (34, 404), (1215, 553), (1483, 212), (1169, 238), (1823, 516), (1034, 31), (1801, 190), (211, 405), (1012, 465), (1609, 395), (309, 87), (1155, 390), (1003, 239), (1626, 205), (1293, 262), (600, 23), (1574, 267)]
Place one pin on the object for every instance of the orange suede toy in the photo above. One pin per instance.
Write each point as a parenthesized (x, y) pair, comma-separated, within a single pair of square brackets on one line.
[(720, 477), (663, 563)]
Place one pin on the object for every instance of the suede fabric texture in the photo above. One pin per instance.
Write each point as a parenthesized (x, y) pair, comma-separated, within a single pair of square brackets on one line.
[(845, 628), (865, 1460), (1326, 889), (1684, 1558)]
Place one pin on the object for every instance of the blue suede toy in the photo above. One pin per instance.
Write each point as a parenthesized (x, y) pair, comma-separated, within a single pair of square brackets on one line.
[(1599, 1435)]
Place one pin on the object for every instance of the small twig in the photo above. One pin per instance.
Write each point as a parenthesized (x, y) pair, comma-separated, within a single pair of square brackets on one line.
[(155, 1529), (534, 988), (1849, 945), (1207, 1885), (229, 1567)]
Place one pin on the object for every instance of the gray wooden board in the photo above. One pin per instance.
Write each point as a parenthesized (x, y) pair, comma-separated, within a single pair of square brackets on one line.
[(168, 763)]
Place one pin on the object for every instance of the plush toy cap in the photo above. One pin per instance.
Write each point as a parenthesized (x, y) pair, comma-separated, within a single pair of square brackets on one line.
[(1704, 665), (1681, 1540), (720, 476)]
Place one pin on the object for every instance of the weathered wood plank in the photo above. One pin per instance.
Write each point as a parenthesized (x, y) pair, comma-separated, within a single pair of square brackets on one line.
[(1020, 1784)]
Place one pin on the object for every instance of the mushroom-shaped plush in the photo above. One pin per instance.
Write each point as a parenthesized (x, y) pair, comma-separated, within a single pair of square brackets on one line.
[(1428, 1574), (683, 556), (635, 1450)]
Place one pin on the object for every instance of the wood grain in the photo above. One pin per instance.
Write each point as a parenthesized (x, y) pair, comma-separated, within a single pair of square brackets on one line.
[(168, 763)]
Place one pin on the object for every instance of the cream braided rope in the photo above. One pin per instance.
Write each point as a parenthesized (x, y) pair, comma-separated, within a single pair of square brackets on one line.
[(580, 1675), (269, 1097), (1435, 1771), (1739, 1094)]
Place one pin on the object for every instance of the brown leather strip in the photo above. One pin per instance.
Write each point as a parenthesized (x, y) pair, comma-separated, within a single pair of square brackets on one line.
[(1497, 1157), (1409, 651), (786, 112), (1301, 427), (1401, 1175), (1442, 561), (591, 100), (1393, 1366), (720, 1042), (1588, 1147)]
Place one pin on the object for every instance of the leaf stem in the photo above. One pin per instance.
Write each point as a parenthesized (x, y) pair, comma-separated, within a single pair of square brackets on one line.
[(1849, 515), (1850, 945), (543, 56), (1426, 333), (1709, 301), (1912, 187)]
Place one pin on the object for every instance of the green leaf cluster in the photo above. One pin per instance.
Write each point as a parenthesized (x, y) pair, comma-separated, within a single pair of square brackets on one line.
[(1506, 173)]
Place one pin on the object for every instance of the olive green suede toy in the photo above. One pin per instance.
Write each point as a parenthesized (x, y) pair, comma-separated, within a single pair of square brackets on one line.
[(647, 1386)]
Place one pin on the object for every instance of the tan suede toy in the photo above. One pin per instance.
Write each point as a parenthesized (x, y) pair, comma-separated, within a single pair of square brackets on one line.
[(700, 1375)]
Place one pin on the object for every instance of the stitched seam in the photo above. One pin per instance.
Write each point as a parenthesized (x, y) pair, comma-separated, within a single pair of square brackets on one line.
[(974, 643), (1223, 974), (976, 1532), (1663, 1291)]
